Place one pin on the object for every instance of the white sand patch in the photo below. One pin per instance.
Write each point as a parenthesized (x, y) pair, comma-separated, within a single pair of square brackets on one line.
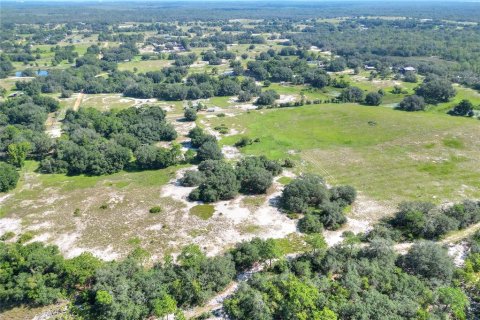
[(65, 243), (288, 174), (356, 226), (231, 214), (39, 226), (232, 132), (199, 64), (233, 99), (458, 252), (156, 227), (10, 225), (275, 223), (231, 152), (246, 106), (140, 102), (51, 200), (402, 248), (285, 98), (106, 254), (183, 127), (364, 213), (167, 108), (4, 197), (177, 192), (368, 209), (116, 198), (232, 210), (54, 132), (44, 237)]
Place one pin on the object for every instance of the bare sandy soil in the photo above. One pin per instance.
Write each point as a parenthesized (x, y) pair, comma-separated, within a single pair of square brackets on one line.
[(286, 98), (231, 218)]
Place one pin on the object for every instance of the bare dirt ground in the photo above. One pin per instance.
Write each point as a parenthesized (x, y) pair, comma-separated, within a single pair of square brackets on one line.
[(78, 101), (232, 220), (53, 126), (286, 98)]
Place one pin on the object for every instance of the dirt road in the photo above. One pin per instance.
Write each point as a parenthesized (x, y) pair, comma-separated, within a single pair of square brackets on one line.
[(78, 101)]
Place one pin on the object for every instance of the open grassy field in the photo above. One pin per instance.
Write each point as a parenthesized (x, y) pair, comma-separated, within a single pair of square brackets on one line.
[(144, 65), (387, 154)]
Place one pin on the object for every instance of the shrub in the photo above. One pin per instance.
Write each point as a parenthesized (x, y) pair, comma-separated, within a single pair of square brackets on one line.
[(351, 94), (331, 215), (345, 195), (155, 209), (267, 98), (288, 163), (435, 90), (373, 99), (190, 114), (410, 77), (310, 224), (66, 94), (8, 177), (220, 182), (412, 103), (192, 178), (243, 142), (256, 181), (209, 151), (464, 108), (303, 192), (429, 260)]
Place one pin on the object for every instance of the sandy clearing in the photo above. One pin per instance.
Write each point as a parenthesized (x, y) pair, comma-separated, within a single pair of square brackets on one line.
[(402, 248), (53, 127), (39, 226), (245, 106), (232, 210), (229, 217), (4, 197), (177, 192), (286, 98), (10, 225), (231, 153), (365, 212), (356, 226), (199, 64), (182, 127), (67, 245), (43, 237), (458, 252)]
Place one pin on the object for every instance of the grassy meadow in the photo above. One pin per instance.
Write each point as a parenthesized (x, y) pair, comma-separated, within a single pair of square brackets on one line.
[(387, 154)]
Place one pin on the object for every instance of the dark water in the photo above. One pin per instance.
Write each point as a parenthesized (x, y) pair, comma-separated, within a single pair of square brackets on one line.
[(41, 73)]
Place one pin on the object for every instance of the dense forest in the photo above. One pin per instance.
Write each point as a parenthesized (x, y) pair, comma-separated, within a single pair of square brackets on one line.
[(190, 11)]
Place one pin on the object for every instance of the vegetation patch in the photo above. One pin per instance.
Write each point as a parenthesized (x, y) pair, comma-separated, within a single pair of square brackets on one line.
[(293, 243), (454, 143), (155, 209), (203, 211), (285, 180)]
